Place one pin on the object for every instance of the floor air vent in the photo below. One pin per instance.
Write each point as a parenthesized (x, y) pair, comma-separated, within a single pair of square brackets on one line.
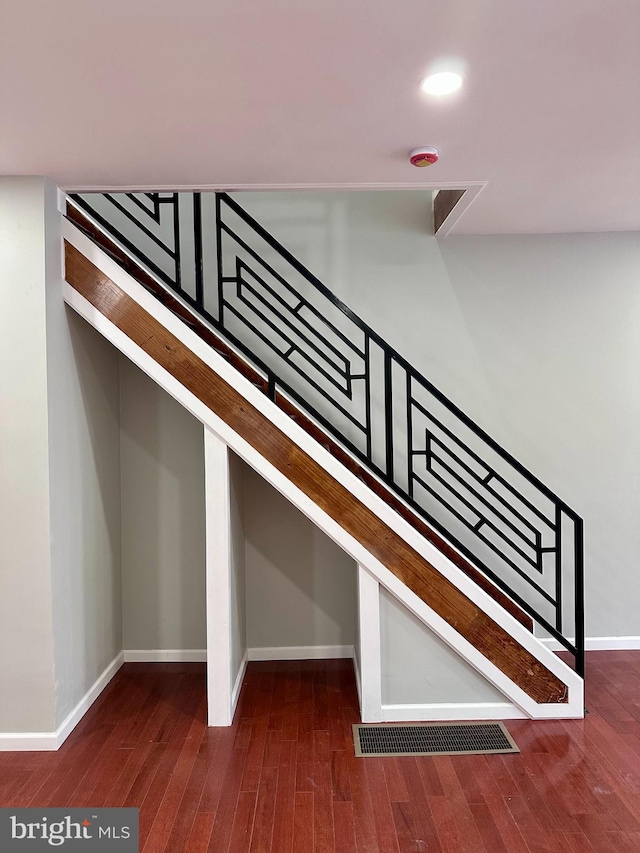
[(432, 739)]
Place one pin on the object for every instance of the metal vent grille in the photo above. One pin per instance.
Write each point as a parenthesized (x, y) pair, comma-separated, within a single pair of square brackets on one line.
[(432, 739)]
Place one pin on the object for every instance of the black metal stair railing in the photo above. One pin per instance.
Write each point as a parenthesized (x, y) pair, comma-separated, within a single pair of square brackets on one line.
[(313, 348)]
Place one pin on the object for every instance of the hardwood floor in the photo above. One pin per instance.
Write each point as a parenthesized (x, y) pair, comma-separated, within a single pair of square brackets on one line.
[(284, 777)]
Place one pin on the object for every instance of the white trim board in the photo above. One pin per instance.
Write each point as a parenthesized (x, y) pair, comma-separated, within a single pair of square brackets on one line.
[(451, 711), (356, 673), (218, 570), (471, 191), (230, 188), (572, 709), (597, 644), (28, 741), (237, 687), (165, 655), (459, 209), (370, 639), (300, 652)]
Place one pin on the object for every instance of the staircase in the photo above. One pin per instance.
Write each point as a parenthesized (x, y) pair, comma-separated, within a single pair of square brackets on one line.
[(267, 357)]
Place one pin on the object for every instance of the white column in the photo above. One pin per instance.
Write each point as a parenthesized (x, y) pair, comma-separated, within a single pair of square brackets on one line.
[(218, 571), (370, 663)]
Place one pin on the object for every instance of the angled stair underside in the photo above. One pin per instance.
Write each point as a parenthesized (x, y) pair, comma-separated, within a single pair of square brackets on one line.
[(412, 563)]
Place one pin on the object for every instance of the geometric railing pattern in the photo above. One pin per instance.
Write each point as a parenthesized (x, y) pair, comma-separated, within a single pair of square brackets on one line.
[(310, 346)]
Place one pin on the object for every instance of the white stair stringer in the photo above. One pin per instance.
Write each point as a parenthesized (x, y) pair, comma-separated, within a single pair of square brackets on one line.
[(571, 709)]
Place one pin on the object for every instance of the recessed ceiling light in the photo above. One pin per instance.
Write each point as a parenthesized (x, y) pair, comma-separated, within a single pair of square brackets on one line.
[(443, 83)]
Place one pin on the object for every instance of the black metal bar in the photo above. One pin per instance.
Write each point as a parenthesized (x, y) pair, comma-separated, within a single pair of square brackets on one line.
[(481, 480), (124, 241), (244, 286), (475, 528), (231, 308), (155, 198), (139, 225), (367, 393), (430, 416), (286, 285), (388, 414), (242, 266), (579, 594), (316, 346), (409, 435), (153, 214), (533, 561), (176, 238), (558, 569), (197, 237), (538, 547), (285, 337), (219, 261), (483, 500)]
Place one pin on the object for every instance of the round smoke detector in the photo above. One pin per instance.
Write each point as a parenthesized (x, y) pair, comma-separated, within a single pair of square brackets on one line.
[(426, 155)]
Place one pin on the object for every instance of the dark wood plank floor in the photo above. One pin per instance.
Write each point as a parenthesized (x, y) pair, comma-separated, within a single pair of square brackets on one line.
[(284, 777)]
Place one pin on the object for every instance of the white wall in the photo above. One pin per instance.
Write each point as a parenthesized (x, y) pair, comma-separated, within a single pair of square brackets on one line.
[(419, 668), (84, 456), (84, 453), (163, 538), (59, 476), (27, 699), (300, 585)]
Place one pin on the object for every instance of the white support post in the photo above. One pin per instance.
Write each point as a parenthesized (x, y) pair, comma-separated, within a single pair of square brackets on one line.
[(370, 663), (218, 574)]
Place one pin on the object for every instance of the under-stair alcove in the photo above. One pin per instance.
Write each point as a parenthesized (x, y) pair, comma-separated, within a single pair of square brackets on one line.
[(300, 585), (293, 593), (292, 590), (163, 523)]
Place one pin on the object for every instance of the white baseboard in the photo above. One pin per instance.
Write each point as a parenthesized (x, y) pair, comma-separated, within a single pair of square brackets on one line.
[(597, 644), (28, 741), (356, 671), (452, 711), (165, 655), (237, 687), (300, 652), (72, 720)]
